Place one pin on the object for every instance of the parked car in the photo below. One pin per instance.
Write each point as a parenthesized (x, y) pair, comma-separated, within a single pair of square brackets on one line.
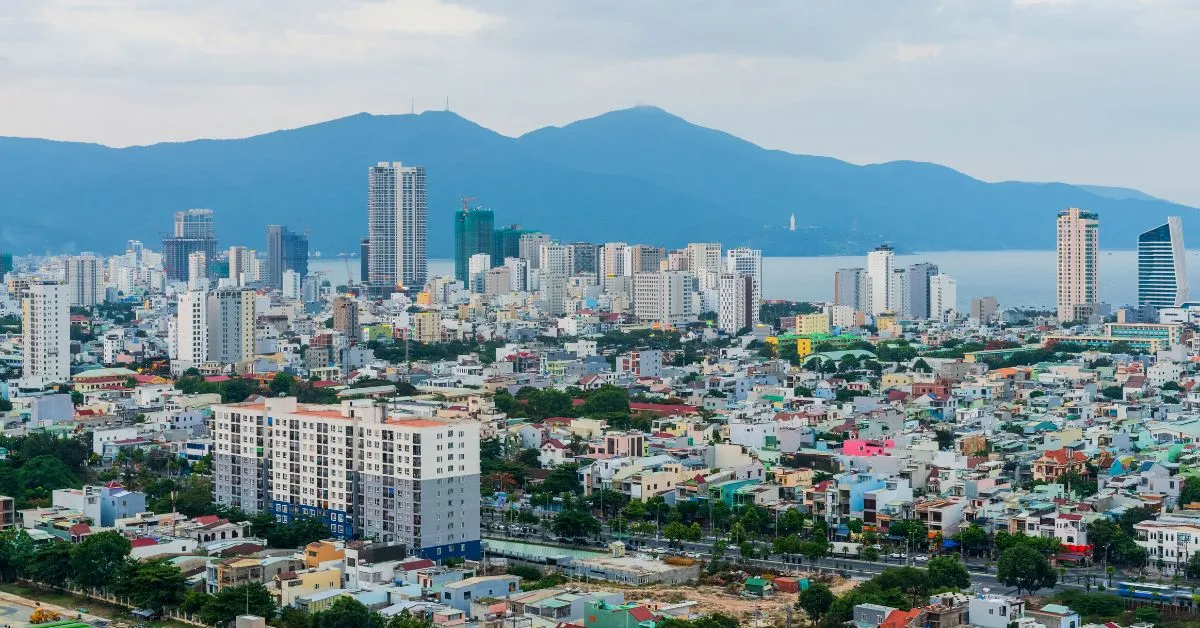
[(920, 558), (898, 555)]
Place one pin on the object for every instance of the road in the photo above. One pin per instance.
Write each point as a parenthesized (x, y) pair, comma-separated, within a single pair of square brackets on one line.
[(842, 566)]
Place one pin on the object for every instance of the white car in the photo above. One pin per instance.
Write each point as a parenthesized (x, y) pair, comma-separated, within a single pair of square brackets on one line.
[(898, 555), (920, 558), (692, 555)]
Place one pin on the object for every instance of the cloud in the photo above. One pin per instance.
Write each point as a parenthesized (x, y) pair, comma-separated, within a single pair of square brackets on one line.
[(1088, 90)]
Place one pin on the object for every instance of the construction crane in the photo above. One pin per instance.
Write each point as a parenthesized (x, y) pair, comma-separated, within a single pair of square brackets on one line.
[(466, 203), (350, 283)]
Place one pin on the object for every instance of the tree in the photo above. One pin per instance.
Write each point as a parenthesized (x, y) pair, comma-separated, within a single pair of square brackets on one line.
[(972, 538), (606, 399), (1192, 569), (237, 389), (282, 384), (912, 530), (153, 584), (563, 479), (815, 549), (921, 366), (675, 532), (405, 619), (297, 533), (530, 457), (790, 522), (1112, 392), (98, 559), (346, 612), (1025, 568), (574, 523), (816, 600), (51, 564), (870, 554), (948, 571), (1147, 614), (224, 607), (16, 551), (1134, 516)]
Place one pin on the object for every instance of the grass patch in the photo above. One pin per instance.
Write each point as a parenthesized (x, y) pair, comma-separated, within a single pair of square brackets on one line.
[(71, 601)]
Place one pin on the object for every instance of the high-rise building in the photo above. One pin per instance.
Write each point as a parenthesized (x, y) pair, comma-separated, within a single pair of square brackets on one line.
[(231, 320), (881, 264), (197, 270), (497, 281), (193, 233), (474, 233), (518, 273), (852, 287), (241, 261), (555, 259), (900, 293), (477, 265), (918, 290), (585, 258), (6, 264), (614, 260), (1078, 264), (735, 302), (345, 318), (645, 259), (83, 280), (1162, 266), (984, 309), (365, 474), (45, 334), (190, 343), (529, 247), (397, 223), (663, 297), (293, 285), (136, 251), (748, 262), (285, 251), (506, 243), (943, 297), (704, 262)]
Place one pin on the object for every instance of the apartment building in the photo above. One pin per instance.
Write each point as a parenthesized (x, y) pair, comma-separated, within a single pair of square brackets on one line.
[(361, 472), (1171, 540)]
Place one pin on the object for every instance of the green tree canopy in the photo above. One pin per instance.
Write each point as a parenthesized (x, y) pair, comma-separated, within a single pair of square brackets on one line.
[(1025, 568), (948, 572), (816, 600), (98, 559)]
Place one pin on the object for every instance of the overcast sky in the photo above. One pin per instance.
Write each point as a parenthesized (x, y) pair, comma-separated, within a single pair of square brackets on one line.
[(1086, 91)]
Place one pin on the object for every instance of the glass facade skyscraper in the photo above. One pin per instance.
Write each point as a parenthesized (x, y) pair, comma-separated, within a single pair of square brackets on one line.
[(473, 234), (1162, 266)]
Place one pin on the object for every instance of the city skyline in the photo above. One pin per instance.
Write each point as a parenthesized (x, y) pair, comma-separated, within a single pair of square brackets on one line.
[(915, 54)]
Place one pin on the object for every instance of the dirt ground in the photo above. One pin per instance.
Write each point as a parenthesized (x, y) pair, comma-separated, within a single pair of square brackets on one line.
[(715, 599)]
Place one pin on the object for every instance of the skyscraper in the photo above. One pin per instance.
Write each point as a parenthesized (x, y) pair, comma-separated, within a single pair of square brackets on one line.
[(881, 262), (704, 261), (529, 247), (919, 276), (585, 258), (852, 287), (285, 251), (364, 257), (231, 320), (190, 332), (193, 233), (1078, 264), (46, 334), (747, 263), (943, 297), (645, 259), (397, 222), (83, 280), (1162, 266), (6, 264), (345, 318), (240, 261), (474, 233), (506, 243)]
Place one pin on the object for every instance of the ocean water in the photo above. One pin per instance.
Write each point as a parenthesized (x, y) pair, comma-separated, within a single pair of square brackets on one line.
[(1016, 278)]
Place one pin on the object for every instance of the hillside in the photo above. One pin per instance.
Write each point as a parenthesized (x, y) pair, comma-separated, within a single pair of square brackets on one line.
[(639, 175)]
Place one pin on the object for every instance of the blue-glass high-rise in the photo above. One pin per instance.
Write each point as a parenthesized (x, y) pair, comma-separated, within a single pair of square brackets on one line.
[(1162, 266)]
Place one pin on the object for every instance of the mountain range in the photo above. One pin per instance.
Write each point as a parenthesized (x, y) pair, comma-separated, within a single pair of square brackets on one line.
[(635, 175)]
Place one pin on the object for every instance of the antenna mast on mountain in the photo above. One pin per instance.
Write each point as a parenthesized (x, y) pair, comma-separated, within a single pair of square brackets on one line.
[(447, 103)]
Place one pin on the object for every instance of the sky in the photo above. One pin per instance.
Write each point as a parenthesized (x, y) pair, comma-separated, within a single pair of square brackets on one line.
[(1083, 91)]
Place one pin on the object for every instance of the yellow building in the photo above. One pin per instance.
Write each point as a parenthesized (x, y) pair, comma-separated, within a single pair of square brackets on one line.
[(319, 552), (887, 322), (296, 584), (787, 345), (895, 380), (817, 323), (426, 326)]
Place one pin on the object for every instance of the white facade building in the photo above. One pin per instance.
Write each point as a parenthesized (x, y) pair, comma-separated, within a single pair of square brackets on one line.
[(46, 335), (84, 282), (943, 297), (704, 262), (664, 297), (397, 223), (292, 285), (881, 264), (190, 332), (231, 318)]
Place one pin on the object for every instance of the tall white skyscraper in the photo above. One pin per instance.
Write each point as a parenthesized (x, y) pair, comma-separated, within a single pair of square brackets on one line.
[(748, 263), (735, 302), (704, 262), (241, 265), (1162, 266), (900, 295), (46, 334), (663, 297), (191, 332), (197, 271), (1078, 264), (397, 223), (477, 265), (84, 283), (881, 264), (554, 259), (518, 273), (943, 297), (614, 260), (231, 325)]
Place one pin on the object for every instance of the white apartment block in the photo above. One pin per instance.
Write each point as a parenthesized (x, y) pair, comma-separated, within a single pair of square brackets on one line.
[(190, 345), (45, 335), (392, 478), (397, 224), (748, 263), (881, 264), (664, 297), (84, 282), (943, 296), (704, 262), (1172, 541), (231, 319), (735, 302)]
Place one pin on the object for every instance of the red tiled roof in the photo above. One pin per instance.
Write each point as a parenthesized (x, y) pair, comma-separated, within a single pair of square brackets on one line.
[(143, 542), (324, 384), (217, 378), (641, 613), (421, 563), (113, 484), (206, 519), (79, 529), (1064, 455)]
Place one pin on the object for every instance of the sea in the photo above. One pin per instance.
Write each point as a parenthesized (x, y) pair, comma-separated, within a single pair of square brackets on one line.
[(1020, 279)]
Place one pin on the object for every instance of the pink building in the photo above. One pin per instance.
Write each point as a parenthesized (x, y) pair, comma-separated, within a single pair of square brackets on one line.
[(859, 447)]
